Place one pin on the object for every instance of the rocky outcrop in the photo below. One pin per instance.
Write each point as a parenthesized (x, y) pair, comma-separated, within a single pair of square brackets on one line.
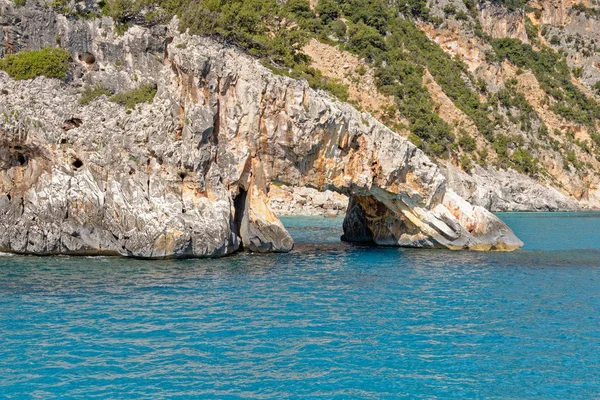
[(502, 190), (286, 200), (554, 13), (188, 175), (499, 22)]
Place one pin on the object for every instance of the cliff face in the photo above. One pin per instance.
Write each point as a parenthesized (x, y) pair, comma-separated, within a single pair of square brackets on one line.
[(499, 22), (189, 174)]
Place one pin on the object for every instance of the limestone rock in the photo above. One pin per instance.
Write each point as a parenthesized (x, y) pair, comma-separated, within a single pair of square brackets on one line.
[(188, 175), (300, 200), (500, 190), (499, 22)]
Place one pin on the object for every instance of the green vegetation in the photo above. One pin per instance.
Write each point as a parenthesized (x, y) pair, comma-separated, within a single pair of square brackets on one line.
[(554, 77), (91, 93), (143, 94), (28, 64), (555, 40), (449, 9), (512, 5), (19, 3), (449, 73), (596, 87), (465, 162), (532, 30), (511, 153), (581, 8), (467, 143), (518, 109)]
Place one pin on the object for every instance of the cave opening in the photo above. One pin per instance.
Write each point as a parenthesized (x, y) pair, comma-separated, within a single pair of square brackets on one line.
[(239, 205), (77, 164), (21, 159)]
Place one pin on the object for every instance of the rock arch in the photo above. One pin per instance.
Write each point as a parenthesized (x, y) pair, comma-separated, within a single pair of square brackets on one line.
[(271, 128), (188, 174)]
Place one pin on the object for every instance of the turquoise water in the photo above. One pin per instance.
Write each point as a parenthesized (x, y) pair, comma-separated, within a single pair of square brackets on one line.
[(329, 320)]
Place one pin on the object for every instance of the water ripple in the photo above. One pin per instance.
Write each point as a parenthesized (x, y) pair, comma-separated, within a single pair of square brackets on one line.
[(329, 320)]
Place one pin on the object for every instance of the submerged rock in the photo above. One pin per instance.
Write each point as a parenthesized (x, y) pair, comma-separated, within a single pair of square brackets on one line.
[(188, 175)]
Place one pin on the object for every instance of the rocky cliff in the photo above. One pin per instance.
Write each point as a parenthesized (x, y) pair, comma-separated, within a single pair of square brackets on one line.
[(189, 173)]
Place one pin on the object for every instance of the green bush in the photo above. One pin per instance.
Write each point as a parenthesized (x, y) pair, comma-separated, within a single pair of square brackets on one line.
[(467, 143), (328, 10), (518, 158), (465, 162), (339, 29), (461, 16), (524, 162), (28, 64), (532, 30), (596, 87), (143, 94), (91, 93), (449, 9), (365, 40), (414, 8)]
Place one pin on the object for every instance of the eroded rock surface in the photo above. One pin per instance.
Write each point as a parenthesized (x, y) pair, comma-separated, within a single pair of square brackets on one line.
[(286, 200), (499, 22), (188, 175), (500, 190)]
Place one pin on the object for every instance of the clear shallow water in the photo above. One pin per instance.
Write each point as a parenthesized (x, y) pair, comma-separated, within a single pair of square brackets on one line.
[(329, 320)]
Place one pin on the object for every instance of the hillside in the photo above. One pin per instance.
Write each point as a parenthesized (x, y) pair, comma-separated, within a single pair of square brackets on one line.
[(502, 94)]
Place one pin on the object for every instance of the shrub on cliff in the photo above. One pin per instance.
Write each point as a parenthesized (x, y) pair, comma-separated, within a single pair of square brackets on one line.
[(28, 64), (596, 88), (143, 94), (91, 93)]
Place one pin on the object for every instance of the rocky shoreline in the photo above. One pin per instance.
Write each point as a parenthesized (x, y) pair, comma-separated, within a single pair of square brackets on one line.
[(187, 173)]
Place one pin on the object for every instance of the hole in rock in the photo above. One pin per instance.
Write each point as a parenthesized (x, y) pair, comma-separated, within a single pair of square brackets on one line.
[(239, 204), (182, 175), (21, 159), (77, 163), (71, 124), (87, 58)]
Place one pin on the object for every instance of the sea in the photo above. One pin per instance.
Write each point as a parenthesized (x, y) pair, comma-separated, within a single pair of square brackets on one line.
[(329, 320)]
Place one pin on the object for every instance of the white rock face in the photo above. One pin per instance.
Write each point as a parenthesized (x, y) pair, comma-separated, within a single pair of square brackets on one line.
[(286, 200), (499, 190), (188, 175)]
